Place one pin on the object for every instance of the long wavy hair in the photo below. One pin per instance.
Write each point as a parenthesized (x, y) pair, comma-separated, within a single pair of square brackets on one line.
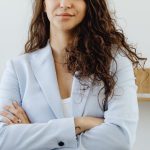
[(90, 53)]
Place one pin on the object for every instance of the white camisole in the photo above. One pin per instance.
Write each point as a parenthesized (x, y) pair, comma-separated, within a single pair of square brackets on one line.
[(67, 107)]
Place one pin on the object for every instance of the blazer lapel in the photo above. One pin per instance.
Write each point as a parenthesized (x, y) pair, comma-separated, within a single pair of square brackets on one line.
[(44, 70), (79, 97), (43, 67)]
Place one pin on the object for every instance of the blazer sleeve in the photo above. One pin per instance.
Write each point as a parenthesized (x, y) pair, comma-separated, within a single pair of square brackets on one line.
[(57, 133), (118, 131)]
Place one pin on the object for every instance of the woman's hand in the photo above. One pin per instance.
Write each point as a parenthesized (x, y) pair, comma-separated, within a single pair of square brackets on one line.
[(85, 123), (14, 114), (91, 122)]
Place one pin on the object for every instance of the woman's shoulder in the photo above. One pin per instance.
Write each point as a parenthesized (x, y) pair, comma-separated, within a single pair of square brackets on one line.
[(26, 58), (120, 60), (19, 63), (19, 59)]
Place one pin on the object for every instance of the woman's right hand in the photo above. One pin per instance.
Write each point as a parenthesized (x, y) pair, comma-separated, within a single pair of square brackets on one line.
[(14, 114), (85, 123)]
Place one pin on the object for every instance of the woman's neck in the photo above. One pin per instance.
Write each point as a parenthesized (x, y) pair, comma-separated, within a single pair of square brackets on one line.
[(59, 41)]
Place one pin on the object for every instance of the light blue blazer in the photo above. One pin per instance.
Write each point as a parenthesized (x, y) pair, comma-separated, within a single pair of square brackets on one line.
[(31, 80)]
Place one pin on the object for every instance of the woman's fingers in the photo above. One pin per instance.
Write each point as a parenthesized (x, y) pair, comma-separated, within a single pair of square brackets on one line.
[(15, 117), (7, 121), (21, 113), (9, 117), (11, 109), (15, 114)]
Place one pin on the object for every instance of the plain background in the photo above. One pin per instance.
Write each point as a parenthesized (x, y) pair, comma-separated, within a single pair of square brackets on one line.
[(132, 16)]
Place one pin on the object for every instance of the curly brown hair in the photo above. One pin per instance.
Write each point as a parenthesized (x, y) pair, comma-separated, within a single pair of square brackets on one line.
[(90, 52)]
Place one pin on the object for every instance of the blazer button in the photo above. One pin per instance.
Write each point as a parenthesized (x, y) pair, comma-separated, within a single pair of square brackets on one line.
[(61, 143)]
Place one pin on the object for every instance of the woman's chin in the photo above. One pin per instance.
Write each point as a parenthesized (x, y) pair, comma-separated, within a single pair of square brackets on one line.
[(66, 28)]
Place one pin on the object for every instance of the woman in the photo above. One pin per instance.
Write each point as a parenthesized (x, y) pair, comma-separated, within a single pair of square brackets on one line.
[(74, 87)]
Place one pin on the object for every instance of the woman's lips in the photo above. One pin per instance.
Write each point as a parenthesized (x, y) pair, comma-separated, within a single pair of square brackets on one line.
[(65, 16)]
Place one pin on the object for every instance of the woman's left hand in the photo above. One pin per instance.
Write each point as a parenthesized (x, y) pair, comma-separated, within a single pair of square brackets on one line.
[(15, 114)]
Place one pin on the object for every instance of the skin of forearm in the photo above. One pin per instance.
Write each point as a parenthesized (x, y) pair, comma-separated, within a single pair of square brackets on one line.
[(85, 123)]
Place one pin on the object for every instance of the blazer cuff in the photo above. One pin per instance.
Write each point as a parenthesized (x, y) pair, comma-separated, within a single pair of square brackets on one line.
[(67, 138)]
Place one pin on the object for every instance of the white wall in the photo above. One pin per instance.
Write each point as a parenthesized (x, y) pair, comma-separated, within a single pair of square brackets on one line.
[(132, 16), (14, 21), (143, 133)]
